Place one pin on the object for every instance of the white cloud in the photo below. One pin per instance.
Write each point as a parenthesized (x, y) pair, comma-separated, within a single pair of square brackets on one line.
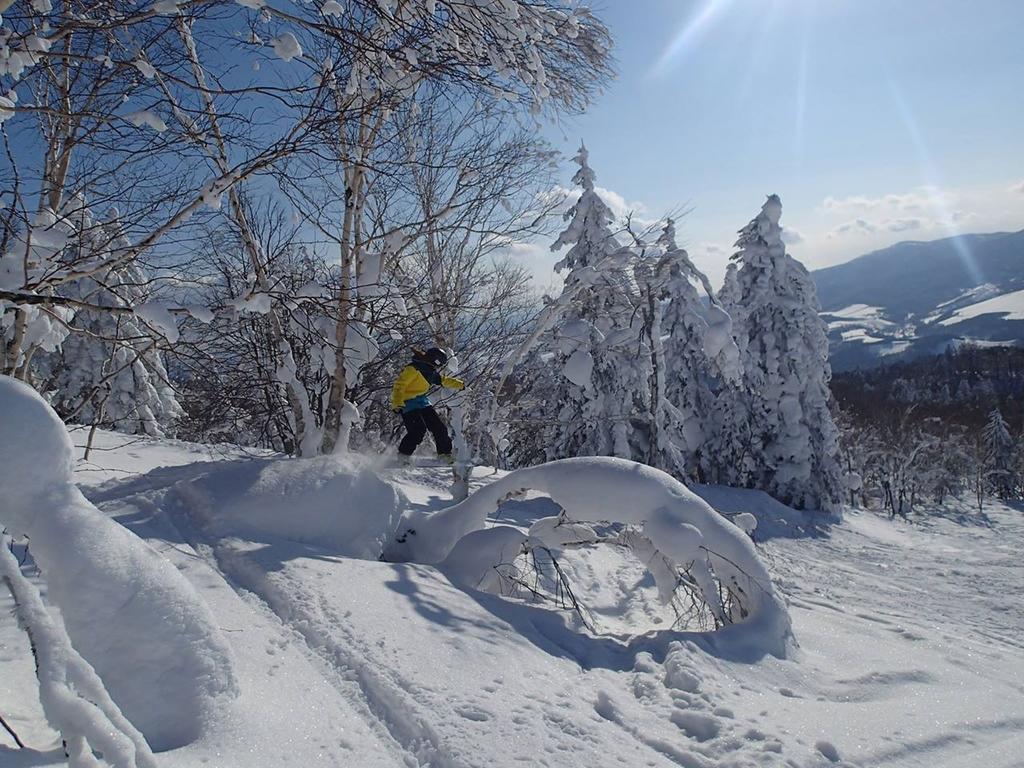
[(841, 227), (617, 204), (928, 210), (855, 227), (536, 256), (902, 225), (919, 199), (792, 236)]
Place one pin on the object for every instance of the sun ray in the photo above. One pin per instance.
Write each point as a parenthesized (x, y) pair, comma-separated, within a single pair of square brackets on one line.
[(932, 183), (764, 22), (688, 35)]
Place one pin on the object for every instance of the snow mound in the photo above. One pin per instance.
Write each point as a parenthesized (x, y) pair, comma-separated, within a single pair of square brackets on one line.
[(36, 453), (683, 531), (473, 560), (331, 502), (129, 613)]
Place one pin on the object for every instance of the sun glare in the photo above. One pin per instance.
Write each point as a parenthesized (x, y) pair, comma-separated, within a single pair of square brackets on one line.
[(932, 182)]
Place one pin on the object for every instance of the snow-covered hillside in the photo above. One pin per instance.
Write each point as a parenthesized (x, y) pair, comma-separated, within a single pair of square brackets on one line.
[(909, 651)]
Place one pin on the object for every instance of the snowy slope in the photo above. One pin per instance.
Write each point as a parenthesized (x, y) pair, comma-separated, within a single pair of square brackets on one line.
[(1009, 305), (910, 651)]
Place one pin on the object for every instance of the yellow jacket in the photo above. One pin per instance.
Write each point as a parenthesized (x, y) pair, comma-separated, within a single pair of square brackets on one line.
[(411, 387)]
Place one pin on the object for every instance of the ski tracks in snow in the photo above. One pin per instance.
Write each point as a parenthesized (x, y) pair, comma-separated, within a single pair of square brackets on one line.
[(380, 699)]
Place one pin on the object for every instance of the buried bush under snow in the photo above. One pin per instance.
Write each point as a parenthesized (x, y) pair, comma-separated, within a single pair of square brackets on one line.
[(677, 531)]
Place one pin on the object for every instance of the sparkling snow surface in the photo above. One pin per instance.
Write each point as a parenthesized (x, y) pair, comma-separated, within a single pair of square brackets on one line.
[(910, 640)]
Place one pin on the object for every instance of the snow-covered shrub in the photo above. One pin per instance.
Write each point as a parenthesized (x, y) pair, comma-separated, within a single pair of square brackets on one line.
[(685, 536), (129, 612), (110, 371)]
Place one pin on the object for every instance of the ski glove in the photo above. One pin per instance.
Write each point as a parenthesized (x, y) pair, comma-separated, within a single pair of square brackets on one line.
[(450, 382)]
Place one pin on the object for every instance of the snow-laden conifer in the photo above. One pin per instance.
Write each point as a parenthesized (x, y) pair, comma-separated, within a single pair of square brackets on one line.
[(109, 371), (1000, 457), (777, 432), (599, 405), (699, 354)]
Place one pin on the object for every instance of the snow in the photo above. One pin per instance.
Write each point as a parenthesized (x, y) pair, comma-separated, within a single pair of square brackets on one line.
[(862, 318), (203, 314), (6, 108), (909, 651), (71, 694), (332, 8), (895, 347), (145, 68), (250, 499), (255, 303), (35, 455), (861, 335), (473, 560), (858, 312), (1009, 305), (147, 117), (157, 316), (137, 622), (579, 368), (166, 7), (286, 46)]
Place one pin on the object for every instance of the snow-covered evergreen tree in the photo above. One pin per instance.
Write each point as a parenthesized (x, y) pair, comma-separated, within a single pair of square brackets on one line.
[(1000, 457), (735, 454), (777, 432), (599, 406), (698, 354), (109, 371)]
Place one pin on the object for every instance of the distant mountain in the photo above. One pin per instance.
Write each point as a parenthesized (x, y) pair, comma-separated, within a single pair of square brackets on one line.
[(917, 298)]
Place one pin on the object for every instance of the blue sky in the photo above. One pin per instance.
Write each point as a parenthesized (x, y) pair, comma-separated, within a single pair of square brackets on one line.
[(874, 120)]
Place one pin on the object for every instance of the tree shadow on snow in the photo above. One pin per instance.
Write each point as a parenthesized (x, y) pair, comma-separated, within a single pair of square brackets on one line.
[(775, 520), (550, 631)]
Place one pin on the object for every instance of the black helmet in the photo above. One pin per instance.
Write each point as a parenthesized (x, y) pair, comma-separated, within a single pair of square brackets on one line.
[(437, 357)]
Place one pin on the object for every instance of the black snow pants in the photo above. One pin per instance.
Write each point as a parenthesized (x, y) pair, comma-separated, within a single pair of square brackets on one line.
[(417, 423)]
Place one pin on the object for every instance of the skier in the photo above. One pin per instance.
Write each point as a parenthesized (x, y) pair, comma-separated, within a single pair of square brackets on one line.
[(409, 398)]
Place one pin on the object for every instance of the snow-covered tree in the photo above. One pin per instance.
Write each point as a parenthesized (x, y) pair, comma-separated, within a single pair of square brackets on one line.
[(777, 432), (699, 357), (1000, 457), (110, 371), (599, 406)]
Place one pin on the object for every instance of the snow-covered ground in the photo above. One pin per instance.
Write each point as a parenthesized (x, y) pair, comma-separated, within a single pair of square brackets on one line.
[(910, 636), (859, 314)]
